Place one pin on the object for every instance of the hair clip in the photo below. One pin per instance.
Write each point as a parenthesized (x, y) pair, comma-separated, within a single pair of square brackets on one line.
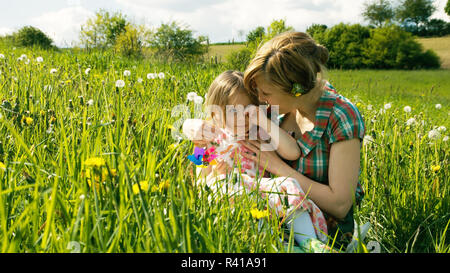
[(298, 90)]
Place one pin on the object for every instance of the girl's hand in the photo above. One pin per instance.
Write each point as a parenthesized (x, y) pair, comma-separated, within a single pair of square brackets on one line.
[(266, 159)]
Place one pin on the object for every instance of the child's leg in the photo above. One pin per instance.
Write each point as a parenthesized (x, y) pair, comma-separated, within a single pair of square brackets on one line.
[(302, 226)]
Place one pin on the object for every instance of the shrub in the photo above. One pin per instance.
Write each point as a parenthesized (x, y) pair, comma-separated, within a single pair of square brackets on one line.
[(173, 41), (130, 42), (30, 36), (239, 60)]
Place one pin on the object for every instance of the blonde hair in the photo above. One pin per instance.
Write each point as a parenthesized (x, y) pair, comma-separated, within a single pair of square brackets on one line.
[(287, 59), (225, 85)]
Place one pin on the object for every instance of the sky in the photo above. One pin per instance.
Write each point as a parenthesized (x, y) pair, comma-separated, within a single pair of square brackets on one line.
[(220, 20)]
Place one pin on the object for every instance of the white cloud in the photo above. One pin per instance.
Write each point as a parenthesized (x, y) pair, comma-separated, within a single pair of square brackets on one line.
[(222, 20), (5, 30), (63, 26)]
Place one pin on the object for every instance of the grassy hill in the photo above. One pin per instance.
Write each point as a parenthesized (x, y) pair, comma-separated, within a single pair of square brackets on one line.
[(440, 45)]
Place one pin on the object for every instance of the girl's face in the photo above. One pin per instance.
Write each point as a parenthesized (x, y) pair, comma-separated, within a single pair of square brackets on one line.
[(273, 95), (236, 120)]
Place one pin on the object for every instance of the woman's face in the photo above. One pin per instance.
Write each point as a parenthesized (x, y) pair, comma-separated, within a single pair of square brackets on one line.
[(273, 95)]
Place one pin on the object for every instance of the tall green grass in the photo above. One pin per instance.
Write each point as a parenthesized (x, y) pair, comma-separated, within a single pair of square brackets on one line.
[(50, 201)]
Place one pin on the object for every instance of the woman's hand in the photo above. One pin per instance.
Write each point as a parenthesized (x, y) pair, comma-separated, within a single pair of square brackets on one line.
[(208, 133), (254, 113), (269, 160)]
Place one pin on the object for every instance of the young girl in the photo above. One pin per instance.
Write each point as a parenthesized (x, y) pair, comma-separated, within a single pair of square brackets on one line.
[(228, 90)]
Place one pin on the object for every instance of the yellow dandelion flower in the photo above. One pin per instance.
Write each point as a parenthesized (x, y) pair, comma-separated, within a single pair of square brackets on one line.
[(298, 95), (154, 188), (258, 214), (435, 168), (142, 184), (94, 162), (27, 120), (358, 105), (106, 173), (2, 166)]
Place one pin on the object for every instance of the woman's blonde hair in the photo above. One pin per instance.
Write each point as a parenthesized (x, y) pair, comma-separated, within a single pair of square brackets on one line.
[(289, 58), (225, 85)]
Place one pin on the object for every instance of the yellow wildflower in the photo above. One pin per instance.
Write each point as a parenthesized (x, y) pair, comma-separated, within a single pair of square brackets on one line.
[(435, 168), (2, 166), (27, 120), (143, 185), (94, 162), (358, 105), (105, 173), (258, 214), (161, 186)]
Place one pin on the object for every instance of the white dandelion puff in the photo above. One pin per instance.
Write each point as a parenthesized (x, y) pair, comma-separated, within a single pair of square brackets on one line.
[(368, 140), (387, 106), (120, 83), (434, 134), (127, 73), (87, 71), (140, 80), (411, 121), (161, 75), (151, 76), (2, 56), (90, 102), (442, 129), (438, 106), (191, 96), (53, 71), (445, 139), (39, 59), (198, 100), (407, 109), (369, 107)]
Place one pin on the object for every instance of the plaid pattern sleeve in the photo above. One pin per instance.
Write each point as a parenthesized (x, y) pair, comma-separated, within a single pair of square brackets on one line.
[(345, 122)]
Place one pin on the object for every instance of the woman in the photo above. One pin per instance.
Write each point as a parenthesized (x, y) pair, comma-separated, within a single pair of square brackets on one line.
[(288, 71)]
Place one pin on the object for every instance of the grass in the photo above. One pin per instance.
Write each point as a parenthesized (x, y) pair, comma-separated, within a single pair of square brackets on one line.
[(51, 124), (441, 45)]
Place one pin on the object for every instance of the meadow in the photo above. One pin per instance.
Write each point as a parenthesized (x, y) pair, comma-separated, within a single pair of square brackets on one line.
[(89, 164)]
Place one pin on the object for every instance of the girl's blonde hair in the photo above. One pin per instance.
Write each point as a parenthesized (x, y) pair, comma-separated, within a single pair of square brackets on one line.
[(289, 58), (225, 85)]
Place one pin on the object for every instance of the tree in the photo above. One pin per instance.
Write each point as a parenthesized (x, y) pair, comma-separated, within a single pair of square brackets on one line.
[(131, 41), (103, 30), (378, 11), (177, 42), (416, 11), (447, 8), (316, 29), (275, 28), (256, 34), (31, 36)]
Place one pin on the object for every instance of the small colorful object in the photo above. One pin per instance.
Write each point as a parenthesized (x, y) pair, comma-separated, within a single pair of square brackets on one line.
[(202, 157)]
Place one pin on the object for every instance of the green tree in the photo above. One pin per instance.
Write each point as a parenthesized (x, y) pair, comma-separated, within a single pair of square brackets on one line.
[(177, 42), (377, 12), (256, 34), (316, 29), (102, 30), (417, 11), (275, 28), (131, 41), (31, 36), (447, 8), (392, 47)]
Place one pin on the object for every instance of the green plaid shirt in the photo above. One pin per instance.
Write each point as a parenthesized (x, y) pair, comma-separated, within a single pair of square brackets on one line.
[(337, 119)]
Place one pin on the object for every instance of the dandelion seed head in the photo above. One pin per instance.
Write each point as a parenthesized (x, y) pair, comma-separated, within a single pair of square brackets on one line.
[(388, 106), (438, 106), (434, 134), (39, 59), (407, 109), (120, 83), (191, 96), (127, 73)]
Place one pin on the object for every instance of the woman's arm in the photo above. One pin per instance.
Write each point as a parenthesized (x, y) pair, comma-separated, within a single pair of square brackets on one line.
[(336, 198), (285, 145)]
